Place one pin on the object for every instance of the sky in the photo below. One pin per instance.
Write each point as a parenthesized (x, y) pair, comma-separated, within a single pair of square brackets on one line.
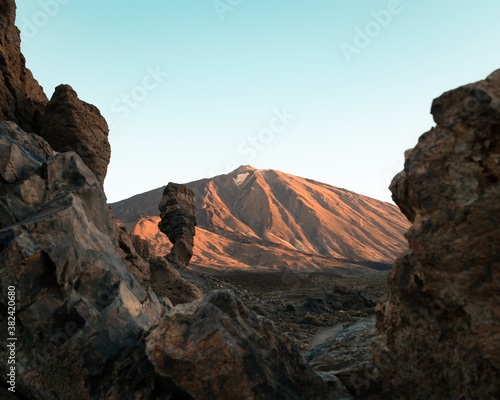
[(332, 90)]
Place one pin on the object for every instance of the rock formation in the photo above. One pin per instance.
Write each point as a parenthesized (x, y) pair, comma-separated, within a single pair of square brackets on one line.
[(167, 282), (78, 306), (247, 349), (70, 124), (131, 258), (178, 220), (440, 326), (346, 355), (22, 99), (66, 122)]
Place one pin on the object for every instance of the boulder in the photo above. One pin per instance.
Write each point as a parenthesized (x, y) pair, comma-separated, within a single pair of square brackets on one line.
[(22, 99), (80, 314), (70, 124), (142, 247), (346, 355), (217, 348), (178, 220), (167, 282), (440, 326)]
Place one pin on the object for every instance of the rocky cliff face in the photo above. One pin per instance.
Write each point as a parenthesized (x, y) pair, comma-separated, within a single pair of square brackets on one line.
[(178, 220), (440, 327), (22, 99), (66, 122), (78, 307), (70, 124)]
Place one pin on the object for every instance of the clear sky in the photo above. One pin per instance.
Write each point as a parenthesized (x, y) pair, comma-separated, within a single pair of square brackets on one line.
[(332, 90)]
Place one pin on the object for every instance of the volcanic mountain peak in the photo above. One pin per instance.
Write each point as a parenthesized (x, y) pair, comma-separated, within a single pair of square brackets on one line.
[(267, 219), (243, 169)]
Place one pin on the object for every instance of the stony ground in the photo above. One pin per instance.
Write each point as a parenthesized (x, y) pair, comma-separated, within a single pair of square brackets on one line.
[(302, 305)]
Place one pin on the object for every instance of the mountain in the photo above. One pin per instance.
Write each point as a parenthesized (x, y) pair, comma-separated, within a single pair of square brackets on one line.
[(268, 220)]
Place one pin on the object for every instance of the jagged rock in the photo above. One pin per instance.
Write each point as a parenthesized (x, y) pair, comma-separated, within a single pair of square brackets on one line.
[(70, 124), (142, 246), (16, 143), (22, 99), (178, 220), (216, 345), (133, 261), (346, 355), (167, 282), (440, 326), (80, 313)]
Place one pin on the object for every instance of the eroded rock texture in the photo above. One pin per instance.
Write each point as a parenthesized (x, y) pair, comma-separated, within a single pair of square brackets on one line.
[(178, 220), (22, 99), (80, 314), (346, 354), (134, 262), (217, 348), (70, 124), (440, 327), (167, 282)]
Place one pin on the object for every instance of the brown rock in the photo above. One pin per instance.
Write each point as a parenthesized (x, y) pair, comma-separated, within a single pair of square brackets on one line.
[(216, 345), (178, 220), (346, 354), (440, 327), (22, 99), (167, 282), (133, 261), (80, 314), (70, 124), (142, 246)]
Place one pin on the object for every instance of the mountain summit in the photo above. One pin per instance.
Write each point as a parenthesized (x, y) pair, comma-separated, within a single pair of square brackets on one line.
[(266, 219)]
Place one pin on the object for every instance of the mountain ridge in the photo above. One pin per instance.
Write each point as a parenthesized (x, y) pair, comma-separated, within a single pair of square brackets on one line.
[(292, 223)]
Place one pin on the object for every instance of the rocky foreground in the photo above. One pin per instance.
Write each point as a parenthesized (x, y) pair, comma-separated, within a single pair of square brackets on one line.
[(99, 317)]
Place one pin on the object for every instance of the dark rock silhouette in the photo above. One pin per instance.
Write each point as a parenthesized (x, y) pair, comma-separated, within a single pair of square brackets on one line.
[(178, 220), (70, 124), (22, 99), (440, 327)]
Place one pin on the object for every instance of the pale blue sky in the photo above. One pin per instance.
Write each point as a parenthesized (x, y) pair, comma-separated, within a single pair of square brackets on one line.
[(232, 65)]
